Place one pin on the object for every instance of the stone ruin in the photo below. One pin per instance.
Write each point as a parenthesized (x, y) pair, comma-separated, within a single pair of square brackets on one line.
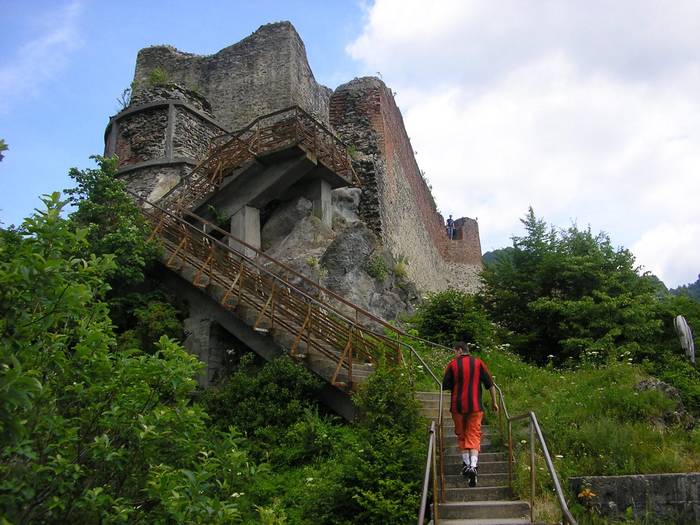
[(379, 244)]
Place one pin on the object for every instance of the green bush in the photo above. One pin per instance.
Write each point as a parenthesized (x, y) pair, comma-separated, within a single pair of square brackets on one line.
[(264, 403), (90, 432), (158, 77), (450, 316), (377, 268)]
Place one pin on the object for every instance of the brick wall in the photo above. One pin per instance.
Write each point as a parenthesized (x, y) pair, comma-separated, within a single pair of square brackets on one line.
[(396, 201)]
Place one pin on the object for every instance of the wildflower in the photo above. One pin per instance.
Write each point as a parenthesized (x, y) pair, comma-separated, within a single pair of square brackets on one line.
[(586, 494), (237, 494)]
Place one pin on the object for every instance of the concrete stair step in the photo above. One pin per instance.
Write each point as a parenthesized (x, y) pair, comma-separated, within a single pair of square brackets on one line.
[(484, 509), (457, 481), (486, 521), (483, 456), (485, 467), (486, 445), (478, 494)]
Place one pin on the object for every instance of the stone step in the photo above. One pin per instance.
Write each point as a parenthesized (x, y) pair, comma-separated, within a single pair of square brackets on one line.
[(449, 426), (486, 446), (483, 456), (485, 480), (484, 509), (486, 521), (485, 467), (478, 493)]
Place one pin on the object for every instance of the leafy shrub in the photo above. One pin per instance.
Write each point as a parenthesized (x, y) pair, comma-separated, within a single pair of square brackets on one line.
[(157, 77), (451, 315), (264, 403), (376, 267), (92, 433)]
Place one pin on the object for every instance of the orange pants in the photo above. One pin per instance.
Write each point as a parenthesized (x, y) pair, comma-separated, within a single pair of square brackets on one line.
[(468, 430)]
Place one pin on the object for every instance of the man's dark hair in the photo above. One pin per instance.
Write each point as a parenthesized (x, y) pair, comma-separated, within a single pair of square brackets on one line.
[(462, 346)]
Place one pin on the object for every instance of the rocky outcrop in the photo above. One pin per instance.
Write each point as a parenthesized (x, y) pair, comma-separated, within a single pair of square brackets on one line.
[(677, 415), (349, 259)]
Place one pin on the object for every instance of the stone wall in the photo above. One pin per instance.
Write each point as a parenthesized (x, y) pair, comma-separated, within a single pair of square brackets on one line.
[(396, 201), (260, 74), (672, 498), (159, 137), (268, 71)]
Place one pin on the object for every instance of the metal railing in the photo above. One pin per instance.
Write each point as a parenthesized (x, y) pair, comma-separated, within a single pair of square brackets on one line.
[(535, 433), (266, 134), (281, 297), (430, 468)]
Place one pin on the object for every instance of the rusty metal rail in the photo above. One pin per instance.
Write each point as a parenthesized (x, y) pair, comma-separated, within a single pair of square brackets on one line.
[(269, 133), (264, 287), (535, 435)]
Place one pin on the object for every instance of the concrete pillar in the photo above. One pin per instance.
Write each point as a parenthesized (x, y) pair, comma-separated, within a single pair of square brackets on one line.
[(197, 332), (319, 193), (245, 224)]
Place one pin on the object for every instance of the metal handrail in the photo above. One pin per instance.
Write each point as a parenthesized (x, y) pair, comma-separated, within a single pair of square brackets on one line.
[(429, 467), (535, 432), (255, 262), (339, 158)]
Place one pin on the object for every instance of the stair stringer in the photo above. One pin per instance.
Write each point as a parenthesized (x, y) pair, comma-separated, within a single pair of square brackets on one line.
[(263, 344)]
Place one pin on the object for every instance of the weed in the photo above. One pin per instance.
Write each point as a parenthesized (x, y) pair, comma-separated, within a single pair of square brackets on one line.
[(157, 77), (376, 267), (401, 267)]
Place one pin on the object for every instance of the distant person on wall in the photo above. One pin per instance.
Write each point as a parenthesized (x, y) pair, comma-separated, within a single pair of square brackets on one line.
[(464, 376), (450, 227)]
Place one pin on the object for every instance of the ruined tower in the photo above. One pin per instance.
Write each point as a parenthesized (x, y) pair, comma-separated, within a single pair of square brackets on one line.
[(182, 104)]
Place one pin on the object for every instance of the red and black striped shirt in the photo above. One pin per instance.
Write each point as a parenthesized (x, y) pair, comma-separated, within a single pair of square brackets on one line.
[(464, 376)]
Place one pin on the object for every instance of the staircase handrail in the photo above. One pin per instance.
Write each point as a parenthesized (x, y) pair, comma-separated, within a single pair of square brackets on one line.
[(295, 111), (430, 467), (535, 432), (312, 284)]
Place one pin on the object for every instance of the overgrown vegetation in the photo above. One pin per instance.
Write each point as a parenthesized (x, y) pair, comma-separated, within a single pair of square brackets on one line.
[(578, 331), (101, 419), (568, 297), (158, 77), (376, 267)]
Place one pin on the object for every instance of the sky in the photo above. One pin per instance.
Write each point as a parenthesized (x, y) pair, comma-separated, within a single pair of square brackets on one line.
[(588, 111)]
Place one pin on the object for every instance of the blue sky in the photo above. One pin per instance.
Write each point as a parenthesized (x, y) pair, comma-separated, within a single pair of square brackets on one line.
[(587, 111), (65, 63)]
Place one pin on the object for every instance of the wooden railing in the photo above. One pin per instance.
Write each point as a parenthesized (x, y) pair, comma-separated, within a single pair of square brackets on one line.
[(266, 134)]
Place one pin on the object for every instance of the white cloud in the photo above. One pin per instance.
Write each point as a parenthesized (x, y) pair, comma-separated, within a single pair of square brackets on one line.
[(42, 57), (586, 112)]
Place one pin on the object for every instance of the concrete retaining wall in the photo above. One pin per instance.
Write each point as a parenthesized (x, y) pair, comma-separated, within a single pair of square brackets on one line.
[(673, 498)]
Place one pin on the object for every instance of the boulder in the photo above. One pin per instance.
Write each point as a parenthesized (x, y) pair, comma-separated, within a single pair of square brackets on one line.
[(346, 202), (283, 220), (678, 416)]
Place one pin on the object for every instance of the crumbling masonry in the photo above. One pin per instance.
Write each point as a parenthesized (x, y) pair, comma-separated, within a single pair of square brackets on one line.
[(167, 129)]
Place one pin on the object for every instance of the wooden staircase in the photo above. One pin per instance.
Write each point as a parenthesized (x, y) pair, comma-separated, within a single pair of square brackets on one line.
[(491, 502)]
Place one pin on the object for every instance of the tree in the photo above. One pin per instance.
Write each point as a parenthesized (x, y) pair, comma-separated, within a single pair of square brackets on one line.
[(569, 294), (3, 147), (90, 432), (113, 223), (450, 316)]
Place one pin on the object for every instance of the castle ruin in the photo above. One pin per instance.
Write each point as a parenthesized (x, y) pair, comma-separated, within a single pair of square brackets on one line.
[(294, 219), (166, 130)]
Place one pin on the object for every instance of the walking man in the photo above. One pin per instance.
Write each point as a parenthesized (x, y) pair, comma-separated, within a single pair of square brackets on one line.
[(464, 376)]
